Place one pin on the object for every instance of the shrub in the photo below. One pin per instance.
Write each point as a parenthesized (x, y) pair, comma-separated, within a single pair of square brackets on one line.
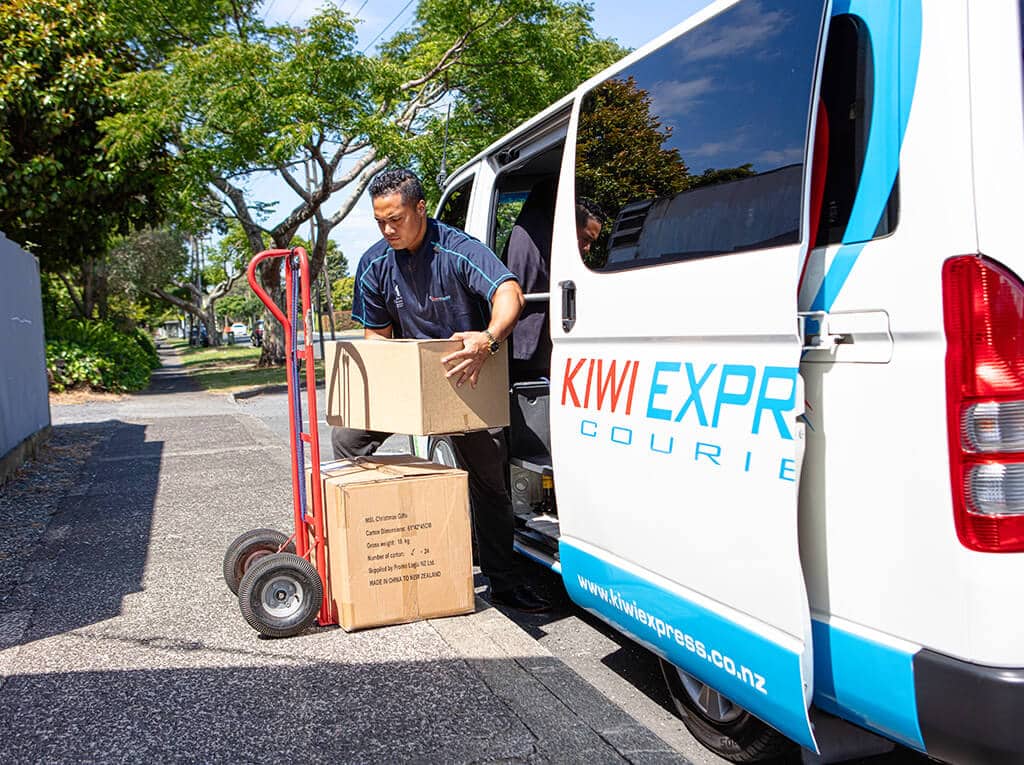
[(94, 354), (343, 321)]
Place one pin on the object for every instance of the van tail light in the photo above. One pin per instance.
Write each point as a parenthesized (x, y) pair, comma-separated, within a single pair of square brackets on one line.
[(983, 303)]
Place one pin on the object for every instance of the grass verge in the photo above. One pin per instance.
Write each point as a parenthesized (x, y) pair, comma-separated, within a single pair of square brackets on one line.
[(228, 378)]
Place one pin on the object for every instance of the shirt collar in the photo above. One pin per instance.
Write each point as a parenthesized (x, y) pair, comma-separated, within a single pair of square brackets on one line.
[(430, 237)]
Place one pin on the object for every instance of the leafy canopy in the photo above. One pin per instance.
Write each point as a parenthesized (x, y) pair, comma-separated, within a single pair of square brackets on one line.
[(60, 195)]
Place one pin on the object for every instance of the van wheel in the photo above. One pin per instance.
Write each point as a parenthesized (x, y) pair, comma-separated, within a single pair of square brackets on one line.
[(442, 452), (728, 730)]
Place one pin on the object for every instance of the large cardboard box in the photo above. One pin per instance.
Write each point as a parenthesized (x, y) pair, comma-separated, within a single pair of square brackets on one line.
[(398, 540), (399, 386)]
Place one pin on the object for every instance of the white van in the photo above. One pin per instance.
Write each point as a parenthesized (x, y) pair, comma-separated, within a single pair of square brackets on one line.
[(785, 409)]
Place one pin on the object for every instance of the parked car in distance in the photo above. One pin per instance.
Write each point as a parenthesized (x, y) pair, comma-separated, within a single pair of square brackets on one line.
[(238, 329)]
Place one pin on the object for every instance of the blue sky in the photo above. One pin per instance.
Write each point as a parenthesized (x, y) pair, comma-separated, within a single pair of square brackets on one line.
[(631, 23)]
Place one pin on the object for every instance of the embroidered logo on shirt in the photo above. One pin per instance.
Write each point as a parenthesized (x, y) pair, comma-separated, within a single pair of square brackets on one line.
[(440, 299), (399, 303)]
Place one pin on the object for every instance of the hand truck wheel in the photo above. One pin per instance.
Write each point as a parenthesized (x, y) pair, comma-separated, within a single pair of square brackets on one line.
[(280, 595), (249, 548)]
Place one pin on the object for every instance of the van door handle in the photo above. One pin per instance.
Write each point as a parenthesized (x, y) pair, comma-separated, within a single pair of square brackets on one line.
[(568, 305)]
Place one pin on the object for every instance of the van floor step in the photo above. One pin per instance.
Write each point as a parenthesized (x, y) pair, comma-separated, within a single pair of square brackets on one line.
[(545, 524)]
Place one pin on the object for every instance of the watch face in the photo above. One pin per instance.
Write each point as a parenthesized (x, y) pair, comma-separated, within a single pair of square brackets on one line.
[(494, 346)]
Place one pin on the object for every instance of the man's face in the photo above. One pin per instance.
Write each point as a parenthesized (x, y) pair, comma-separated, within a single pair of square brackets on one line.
[(403, 224), (588, 234)]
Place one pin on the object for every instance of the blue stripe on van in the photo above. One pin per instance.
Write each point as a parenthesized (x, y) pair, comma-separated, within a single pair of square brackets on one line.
[(867, 683), (755, 672), (895, 32)]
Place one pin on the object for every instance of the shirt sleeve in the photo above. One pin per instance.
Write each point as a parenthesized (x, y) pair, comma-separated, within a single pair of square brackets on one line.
[(368, 305), (480, 269)]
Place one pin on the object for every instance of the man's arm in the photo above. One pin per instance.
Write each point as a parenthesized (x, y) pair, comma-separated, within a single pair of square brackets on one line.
[(506, 304), (378, 333)]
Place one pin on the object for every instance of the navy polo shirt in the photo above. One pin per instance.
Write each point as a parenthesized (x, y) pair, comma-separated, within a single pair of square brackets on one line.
[(443, 288)]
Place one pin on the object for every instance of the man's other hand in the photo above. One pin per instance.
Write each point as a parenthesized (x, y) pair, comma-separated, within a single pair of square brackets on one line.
[(468, 362)]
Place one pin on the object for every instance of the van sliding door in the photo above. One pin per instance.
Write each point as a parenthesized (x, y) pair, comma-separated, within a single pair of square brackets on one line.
[(675, 389)]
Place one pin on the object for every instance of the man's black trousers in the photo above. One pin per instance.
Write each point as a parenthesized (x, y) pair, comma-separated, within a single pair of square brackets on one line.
[(483, 453)]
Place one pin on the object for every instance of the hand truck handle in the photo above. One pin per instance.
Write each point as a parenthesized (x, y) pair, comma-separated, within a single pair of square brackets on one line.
[(254, 282)]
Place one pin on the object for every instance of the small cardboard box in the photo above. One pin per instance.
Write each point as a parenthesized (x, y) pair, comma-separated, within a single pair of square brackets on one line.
[(398, 386), (398, 540)]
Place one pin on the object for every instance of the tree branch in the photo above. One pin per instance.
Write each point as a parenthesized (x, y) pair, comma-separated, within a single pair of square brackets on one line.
[(294, 184), (174, 300), (442, 64), (253, 231), (225, 286), (350, 202), (75, 298), (360, 165)]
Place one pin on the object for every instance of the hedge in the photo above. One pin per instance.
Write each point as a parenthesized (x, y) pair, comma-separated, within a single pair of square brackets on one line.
[(96, 355)]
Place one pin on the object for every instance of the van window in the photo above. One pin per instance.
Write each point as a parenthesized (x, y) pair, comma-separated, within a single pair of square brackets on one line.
[(455, 209), (697, 149), (847, 93), (505, 213)]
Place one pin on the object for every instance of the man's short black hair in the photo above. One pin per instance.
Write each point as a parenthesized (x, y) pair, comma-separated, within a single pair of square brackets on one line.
[(586, 209), (399, 179)]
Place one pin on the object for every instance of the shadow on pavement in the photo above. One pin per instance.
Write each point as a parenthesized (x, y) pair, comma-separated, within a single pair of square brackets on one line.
[(416, 711), (93, 551)]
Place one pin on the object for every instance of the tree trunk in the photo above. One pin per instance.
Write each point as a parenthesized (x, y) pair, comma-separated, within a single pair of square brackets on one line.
[(88, 289), (210, 320), (101, 288), (273, 351)]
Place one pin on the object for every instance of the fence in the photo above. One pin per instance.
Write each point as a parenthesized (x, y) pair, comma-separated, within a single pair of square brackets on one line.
[(24, 399)]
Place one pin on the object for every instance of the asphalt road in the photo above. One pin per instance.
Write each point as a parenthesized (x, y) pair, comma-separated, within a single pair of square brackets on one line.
[(626, 673)]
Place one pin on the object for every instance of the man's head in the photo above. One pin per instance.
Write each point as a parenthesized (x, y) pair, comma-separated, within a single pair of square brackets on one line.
[(589, 220), (399, 208)]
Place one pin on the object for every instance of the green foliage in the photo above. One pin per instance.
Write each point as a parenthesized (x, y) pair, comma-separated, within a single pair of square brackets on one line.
[(145, 259), (524, 55), (341, 293), (57, 301), (61, 195), (94, 354), (246, 97)]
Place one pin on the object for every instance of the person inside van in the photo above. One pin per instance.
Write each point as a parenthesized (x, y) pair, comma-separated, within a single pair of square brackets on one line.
[(590, 219), (427, 280), (528, 256)]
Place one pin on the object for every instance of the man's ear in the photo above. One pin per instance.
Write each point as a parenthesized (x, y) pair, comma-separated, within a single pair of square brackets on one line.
[(421, 207)]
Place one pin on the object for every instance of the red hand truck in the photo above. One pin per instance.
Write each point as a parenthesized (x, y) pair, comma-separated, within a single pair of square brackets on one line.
[(281, 581)]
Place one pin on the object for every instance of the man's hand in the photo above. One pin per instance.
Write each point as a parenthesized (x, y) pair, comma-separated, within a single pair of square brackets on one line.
[(467, 362)]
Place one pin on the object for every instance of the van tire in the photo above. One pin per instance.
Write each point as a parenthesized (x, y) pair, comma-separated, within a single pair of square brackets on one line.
[(739, 738), (441, 451)]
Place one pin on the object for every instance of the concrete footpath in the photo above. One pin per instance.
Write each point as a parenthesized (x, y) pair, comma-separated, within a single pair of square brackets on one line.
[(119, 640)]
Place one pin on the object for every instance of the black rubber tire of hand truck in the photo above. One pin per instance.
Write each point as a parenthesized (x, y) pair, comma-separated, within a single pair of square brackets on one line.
[(280, 595), (249, 548)]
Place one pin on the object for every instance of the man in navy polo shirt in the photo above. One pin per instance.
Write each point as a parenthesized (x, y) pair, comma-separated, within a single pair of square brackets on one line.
[(427, 280)]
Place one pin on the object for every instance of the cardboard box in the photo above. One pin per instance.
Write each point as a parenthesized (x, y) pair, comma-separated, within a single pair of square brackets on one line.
[(398, 386), (398, 540)]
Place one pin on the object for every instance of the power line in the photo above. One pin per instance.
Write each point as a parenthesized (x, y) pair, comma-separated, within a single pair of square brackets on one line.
[(385, 29)]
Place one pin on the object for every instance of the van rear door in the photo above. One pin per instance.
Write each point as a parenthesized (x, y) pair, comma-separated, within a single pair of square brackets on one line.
[(675, 392)]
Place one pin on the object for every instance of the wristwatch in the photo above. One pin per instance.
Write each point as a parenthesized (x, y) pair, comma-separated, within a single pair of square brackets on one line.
[(495, 343)]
